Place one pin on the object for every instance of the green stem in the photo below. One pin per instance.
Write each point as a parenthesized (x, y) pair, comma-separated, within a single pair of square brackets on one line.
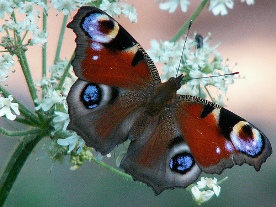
[(24, 63), (26, 121), (27, 73), (19, 133), (112, 169), (61, 37), (15, 164), (65, 74), (193, 17), (209, 94), (44, 47)]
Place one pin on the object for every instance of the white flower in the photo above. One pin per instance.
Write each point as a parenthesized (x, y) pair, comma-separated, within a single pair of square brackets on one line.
[(205, 189), (45, 81), (155, 52), (61, 120), (67, 85), (167, 53), (6, 62), (44, 5), (201, 196), (83, 2), (130, 12), (249, 2), (28, 9), (220, 6), (57, 69), (196, 61), (53, 97), (74, 141), (5, 6), (6, 108), (111, 8), (39, 37), (171, 5), (64, 5)]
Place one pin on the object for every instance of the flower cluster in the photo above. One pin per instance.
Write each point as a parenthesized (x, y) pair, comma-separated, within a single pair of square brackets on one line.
[(205, 189), (114, 8), (203, 66), (218, 7)]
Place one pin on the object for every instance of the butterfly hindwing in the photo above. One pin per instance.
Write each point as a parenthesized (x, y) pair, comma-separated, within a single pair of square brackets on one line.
[(158, 155), (103, 115)]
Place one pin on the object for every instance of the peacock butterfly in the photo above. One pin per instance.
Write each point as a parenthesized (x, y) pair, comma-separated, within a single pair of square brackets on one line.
[(119, 96)]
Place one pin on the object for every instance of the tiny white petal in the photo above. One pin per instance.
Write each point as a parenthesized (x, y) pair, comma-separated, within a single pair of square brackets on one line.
[(216, 190)]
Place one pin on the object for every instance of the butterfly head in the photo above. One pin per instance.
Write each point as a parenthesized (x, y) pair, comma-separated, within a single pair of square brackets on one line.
[(175, 83)]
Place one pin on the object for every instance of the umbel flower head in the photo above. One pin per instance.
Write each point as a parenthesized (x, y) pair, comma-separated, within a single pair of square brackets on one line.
[(203, 67)]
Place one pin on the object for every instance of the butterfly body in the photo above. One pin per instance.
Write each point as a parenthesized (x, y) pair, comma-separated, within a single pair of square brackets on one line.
[(119, 96)]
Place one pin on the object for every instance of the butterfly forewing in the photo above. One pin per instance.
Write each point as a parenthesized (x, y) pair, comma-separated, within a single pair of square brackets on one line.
[(107, 54)]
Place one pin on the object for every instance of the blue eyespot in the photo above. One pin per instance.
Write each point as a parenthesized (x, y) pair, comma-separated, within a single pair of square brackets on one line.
[(247, 139), (91, 95), (98, 27), (182, 163)]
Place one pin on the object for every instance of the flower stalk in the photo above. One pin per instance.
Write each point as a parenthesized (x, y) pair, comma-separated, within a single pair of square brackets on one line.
[(192, 18), (15, 164)]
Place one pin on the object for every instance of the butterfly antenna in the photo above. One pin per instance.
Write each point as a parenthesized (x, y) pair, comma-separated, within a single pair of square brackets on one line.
[(182, 53), (215, 76)]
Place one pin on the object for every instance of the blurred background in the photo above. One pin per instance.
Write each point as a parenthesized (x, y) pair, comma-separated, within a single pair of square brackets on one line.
[(248, 38)]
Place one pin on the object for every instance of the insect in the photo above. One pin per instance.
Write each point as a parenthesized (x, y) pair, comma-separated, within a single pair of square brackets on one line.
[(119, 96)]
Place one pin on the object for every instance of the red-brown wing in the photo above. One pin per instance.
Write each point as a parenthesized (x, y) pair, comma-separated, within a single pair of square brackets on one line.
[(106, 53), (218, 138), (158, 155)]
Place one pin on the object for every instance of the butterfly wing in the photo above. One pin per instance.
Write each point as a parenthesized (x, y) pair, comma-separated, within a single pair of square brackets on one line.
[(218, 138), (192, 135), (107, 54), (158, 155), (113, 71)]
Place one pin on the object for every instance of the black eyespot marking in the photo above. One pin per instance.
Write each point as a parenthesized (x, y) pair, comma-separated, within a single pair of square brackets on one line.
[(106, 26), (182, 163), (247, 129), (227, 120), (114, 95), (138, 57), (175, 141), (121, 42), (91, 95), (207, 109)]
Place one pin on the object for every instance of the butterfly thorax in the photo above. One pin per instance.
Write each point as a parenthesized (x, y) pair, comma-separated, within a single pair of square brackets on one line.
[(164, 94)]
